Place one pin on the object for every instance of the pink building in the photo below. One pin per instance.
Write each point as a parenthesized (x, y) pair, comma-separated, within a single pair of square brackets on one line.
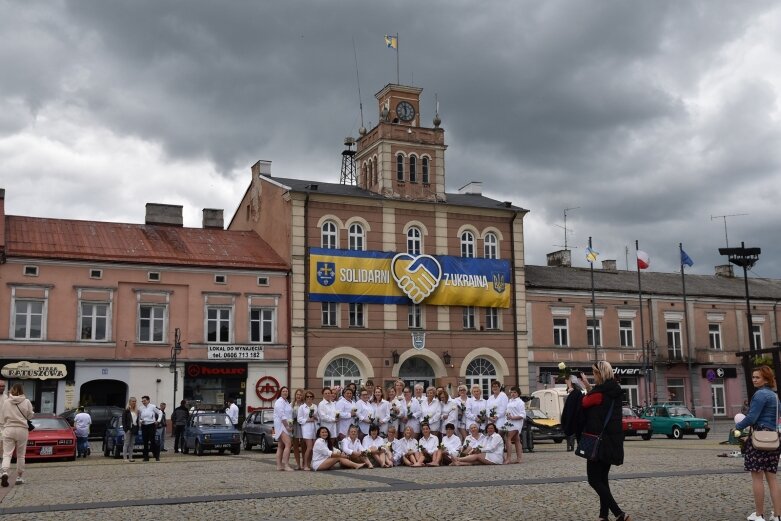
[(89, 311)]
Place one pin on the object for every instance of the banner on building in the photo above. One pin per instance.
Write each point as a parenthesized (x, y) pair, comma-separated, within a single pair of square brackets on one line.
[(377, 277)]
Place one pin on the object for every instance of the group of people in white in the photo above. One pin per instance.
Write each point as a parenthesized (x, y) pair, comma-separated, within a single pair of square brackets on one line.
[(397, 426)]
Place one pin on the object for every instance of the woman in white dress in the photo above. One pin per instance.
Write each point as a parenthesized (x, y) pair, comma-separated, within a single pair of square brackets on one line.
[(431, 411), (449, 412), (381, 410), (307, 419), (451, 444), (283, 417), (473, 443), (345, 410), (412, 412), (325, 456), (394, 445), (476, 411), (376, 446), (462, 400), (410, 452), (326, 410), (296, 439), (491, 451), (396, 408), (516, 414), (353, 449)]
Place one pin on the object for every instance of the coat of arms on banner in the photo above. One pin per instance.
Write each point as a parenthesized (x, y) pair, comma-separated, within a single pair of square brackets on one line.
[(499, 282), (326, 273), (419, 340)]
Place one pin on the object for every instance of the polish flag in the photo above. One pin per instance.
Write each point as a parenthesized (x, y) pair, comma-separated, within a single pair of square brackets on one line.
[(643, 260)]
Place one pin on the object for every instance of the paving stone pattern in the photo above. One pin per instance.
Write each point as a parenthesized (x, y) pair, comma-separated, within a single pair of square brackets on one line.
[(661, 480)]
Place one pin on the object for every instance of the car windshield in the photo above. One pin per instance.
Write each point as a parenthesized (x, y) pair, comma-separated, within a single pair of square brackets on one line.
[(218, 420), (536, 414), (680, 411), (626, 411), (50, 424)]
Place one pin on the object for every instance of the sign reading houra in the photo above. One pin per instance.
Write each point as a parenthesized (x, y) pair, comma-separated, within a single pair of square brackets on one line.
[(377, 277)]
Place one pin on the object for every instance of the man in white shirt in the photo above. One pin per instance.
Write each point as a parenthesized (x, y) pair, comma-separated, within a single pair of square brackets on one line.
[(81, 423), (233, 412), (149, 417)]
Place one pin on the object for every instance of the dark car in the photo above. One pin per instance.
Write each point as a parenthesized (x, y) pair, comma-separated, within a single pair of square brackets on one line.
[(101, 418), (114, 439), (211, 431), (258, 430), (544, 428)]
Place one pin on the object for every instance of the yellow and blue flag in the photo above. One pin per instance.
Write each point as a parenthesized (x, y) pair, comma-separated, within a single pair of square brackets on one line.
[(391, 42), (591, 254)]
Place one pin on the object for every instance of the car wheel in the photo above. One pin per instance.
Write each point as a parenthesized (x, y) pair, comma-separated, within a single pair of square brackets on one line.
[(670, 436), (264, 445), (647, 436), (72, 458), (236, 450), (702, 435), (677, 433), (198, 448), (247, 444)]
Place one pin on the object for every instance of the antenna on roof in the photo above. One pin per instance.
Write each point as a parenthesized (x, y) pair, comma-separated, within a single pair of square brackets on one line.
[(712, 217), (347, 176), (565, 226), (358, 81)]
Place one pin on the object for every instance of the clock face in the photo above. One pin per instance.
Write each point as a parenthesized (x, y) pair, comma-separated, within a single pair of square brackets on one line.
[(405, 111)]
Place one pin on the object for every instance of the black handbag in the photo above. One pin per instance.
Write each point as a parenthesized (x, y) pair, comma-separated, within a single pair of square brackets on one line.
[(588, 445), (30, 426)]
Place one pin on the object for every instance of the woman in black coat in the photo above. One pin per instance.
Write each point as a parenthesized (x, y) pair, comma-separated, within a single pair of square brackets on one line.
[(603, 397)]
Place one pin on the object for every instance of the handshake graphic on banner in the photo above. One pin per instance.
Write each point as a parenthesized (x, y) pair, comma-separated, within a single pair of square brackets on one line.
[(417, 276)]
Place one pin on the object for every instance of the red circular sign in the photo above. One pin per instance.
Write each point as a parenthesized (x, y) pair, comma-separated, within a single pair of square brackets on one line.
[(267, 388)]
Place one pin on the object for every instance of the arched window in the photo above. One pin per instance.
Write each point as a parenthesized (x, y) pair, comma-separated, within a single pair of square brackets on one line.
[(341, 371), (416, 370), (425, 177), (376, 174), (467, 244), (480, 372), (365, 174), (399, 167), (370, 177), (329, 237), (413, 169), (490, 246), (414, 241), (355, 237)]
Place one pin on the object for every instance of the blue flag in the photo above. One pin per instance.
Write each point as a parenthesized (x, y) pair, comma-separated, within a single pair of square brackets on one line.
[(685, 259)]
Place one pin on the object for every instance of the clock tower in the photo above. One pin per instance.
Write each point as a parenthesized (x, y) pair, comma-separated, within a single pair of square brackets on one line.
[(400, 158)]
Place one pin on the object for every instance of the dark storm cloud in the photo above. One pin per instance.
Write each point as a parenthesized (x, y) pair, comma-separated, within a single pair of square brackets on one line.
[(627, 110)]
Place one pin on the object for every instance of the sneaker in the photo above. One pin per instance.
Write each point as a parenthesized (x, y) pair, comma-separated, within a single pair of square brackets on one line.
[(755, 517), (4, 480), (19, 480)]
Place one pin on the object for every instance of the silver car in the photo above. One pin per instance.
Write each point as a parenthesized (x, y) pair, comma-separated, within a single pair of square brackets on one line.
[(258, 430)]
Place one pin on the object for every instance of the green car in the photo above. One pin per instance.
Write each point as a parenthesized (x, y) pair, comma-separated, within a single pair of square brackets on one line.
[(675, 420)]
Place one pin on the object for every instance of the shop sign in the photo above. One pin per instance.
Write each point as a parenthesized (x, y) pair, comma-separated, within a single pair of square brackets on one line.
[(31, 370), (719, 372), (267, 388), (196, 370), (248, 352), (618, 370)]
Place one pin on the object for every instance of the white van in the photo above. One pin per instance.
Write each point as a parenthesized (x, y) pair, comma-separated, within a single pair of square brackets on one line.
[(550, 401)]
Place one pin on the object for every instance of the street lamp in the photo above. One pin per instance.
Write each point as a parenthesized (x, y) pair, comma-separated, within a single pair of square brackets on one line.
[(745, 258), (175, 350)]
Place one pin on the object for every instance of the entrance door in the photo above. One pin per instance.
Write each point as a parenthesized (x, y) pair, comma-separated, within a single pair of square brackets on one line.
[(717, 396), (104, 392), (416, 370)]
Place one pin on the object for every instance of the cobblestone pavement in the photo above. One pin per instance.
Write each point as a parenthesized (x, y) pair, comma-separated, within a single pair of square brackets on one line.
[(661, 480)]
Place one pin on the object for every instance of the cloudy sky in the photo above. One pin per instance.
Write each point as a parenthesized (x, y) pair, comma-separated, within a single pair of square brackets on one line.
[(649, 118)]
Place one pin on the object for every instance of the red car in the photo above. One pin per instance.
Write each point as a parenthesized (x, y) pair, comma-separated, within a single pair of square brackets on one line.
[(52, 438), (634, 425)]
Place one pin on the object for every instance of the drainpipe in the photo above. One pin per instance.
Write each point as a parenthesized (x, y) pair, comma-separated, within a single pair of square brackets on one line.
[(289, 325), (515, 301), (306, 292)]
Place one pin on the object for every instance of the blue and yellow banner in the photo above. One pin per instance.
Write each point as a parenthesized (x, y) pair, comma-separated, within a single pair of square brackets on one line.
[(378, 277)]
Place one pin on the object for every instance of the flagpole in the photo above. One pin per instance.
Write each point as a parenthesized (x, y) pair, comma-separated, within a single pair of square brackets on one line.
[(398, 81), (686, 320), (593, 309), (646, 349)]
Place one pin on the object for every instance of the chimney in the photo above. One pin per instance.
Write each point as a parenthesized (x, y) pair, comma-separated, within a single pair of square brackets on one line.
[(472, 188), (168, 214), (212, 219), (561, 258), (262, 167), (725, 270), (609, 265)]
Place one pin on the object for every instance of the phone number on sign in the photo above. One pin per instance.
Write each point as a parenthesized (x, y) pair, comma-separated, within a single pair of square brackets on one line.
[(234, 353)]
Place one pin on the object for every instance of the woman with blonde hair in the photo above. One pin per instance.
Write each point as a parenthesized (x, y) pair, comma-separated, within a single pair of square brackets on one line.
[(130, 428), (602, 415), (17, 409), (283, 421), (462, 401), (763, 464), (296, 439)]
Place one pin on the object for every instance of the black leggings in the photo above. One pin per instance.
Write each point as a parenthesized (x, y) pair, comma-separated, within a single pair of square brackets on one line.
[(597, 473)]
